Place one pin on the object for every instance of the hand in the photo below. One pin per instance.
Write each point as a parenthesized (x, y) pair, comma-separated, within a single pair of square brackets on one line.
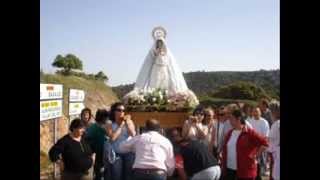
[(127, 117), (61, 165), (123, 123), (253, 156), (193, 119), (93, 158)]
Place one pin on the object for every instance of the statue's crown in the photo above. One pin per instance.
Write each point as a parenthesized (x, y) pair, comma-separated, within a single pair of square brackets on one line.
[(159, 33)]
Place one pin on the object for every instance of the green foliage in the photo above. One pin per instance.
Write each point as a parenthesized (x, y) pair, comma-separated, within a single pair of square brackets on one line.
[(217, 102), (101, 76), (203, 83), (240, 90), (68, 63)]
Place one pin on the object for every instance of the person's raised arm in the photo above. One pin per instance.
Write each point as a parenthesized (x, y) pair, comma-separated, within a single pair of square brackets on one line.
[(185, 129), (128, 145), (202, 132), (130, 126), (114, 134)]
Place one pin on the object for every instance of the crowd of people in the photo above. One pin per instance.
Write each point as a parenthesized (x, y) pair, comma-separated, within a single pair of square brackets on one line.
[(232, 142)]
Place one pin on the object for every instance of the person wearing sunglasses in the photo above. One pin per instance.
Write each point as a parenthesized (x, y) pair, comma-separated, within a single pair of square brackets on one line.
[(121, 129), (194, 128)]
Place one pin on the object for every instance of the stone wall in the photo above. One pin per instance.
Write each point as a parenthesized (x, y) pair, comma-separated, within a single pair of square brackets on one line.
[(47, 132), (46, 142)]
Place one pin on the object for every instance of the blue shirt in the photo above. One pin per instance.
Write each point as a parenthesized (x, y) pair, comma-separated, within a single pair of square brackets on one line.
[(121, 138)]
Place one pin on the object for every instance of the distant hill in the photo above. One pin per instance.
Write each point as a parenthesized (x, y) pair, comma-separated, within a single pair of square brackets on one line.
[(204, 83)]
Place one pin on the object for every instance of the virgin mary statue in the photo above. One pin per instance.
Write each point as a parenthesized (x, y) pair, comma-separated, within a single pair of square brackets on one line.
[(160, 70)]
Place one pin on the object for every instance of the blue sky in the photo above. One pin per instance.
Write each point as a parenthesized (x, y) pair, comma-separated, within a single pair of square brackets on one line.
[(115, 35)]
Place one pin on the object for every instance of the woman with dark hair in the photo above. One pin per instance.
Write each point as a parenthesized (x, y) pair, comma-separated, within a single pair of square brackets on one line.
[(73, 154), (96, 136), (86, 117), (241, 147), (119, 130), (194, 128)]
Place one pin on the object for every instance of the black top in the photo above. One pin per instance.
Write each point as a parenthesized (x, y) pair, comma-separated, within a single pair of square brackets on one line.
[(77, 156), (196, 157)]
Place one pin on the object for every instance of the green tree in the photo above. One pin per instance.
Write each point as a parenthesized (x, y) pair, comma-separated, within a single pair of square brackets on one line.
[(101, 76), (240, 90), (68, 63)]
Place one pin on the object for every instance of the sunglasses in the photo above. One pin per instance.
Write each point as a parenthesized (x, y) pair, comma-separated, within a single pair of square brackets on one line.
[(201, 114), (120, 110), (221, 114)]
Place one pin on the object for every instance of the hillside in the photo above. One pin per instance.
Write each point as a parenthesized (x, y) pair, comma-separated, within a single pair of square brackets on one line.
[(98, 94), (203, 83)]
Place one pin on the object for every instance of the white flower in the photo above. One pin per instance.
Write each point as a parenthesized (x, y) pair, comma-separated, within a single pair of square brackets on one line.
[(161, 96)]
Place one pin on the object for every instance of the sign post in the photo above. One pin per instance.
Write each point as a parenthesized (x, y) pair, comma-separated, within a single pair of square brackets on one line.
[(55, 140), (51, 96)]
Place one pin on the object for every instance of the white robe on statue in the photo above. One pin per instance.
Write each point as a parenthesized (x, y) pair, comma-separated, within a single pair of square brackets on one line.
[(161, 71)]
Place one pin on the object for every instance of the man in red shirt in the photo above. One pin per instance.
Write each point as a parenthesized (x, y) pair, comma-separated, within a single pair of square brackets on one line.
[(241, 147)]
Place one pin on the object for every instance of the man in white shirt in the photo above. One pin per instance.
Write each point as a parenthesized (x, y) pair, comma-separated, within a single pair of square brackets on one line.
[(154, 159), (258, 123), (261, 126)]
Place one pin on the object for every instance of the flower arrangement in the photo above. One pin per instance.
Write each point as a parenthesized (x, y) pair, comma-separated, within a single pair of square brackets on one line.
[(160, 100)]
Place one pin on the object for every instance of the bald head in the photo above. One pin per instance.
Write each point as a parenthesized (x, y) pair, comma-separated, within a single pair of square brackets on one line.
[(152, 125)]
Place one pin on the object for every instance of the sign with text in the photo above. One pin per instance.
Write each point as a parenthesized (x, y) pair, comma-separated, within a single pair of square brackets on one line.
[(76, 95), (51, 91), (50, 109), (75, 108)]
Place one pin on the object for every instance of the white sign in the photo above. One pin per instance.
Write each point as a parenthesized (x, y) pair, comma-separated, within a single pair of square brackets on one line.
[(51, 91), (76, 95), (50, 109), (75, 108)]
